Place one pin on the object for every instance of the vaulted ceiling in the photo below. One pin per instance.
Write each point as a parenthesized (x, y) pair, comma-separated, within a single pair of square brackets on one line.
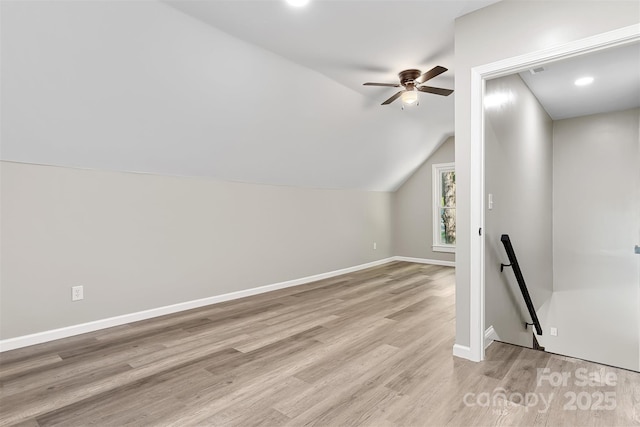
[(348, 41), (252, 91)]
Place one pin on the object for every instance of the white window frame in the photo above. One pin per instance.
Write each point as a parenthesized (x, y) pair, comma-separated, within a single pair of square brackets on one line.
[(437, 169)]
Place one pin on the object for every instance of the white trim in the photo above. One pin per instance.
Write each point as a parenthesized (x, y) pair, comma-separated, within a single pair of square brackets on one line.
[(476, 286), (440, 248), (516, 64), (462, 351), (55, 334), (425, 261), (490, 335), (479, 74)]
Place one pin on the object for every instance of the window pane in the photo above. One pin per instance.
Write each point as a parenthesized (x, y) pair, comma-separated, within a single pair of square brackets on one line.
[(448, 226), (449, 189), (444, 205)]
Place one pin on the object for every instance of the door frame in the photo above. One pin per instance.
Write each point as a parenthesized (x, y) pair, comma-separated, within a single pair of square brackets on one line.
[(479, 75)]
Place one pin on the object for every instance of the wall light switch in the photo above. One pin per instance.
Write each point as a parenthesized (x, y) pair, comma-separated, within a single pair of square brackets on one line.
[(490, 203), (375, 245), (553, 332)]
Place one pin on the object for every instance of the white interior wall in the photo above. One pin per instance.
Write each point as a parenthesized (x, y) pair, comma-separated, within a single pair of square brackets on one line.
[(596, 219), (518, 165)]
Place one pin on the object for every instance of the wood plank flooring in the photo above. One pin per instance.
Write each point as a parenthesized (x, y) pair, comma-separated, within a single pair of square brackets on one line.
[(368, 348)]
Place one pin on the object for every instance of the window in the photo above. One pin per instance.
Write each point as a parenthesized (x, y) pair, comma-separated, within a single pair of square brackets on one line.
[(444, 207)]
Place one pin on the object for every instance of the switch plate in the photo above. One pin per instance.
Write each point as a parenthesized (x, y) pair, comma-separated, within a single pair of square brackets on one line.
[(375, 245), (553, 332), (490, 203)]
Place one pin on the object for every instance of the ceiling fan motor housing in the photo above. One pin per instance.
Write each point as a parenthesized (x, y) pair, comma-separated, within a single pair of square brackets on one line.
[(408, 76)]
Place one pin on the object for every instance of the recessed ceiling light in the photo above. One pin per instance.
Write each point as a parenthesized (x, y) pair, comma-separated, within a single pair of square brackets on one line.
[(298, 3), (583, 81)]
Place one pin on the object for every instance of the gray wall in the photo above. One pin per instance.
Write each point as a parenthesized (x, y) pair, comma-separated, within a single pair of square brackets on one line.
[(413, 213), (518, 165), (504, 30), (140, 241), (596, 218)]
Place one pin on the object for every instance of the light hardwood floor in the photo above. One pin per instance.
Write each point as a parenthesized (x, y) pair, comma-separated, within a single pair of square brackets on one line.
[(368, 348)]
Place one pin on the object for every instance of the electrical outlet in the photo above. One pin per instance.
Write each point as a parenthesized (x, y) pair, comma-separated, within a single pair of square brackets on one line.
[(77, 293), (553, 332), (375, 245)]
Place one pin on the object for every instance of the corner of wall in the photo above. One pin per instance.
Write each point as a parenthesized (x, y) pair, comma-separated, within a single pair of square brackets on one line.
[(412, 209)]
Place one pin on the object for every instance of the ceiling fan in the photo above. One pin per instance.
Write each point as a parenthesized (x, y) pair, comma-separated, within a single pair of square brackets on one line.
[(412, 81)]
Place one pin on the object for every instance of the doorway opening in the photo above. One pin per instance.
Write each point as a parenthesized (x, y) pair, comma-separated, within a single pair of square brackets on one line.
[(482, 78)]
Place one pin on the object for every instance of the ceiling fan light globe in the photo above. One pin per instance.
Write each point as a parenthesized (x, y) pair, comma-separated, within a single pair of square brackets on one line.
[(409, 97)]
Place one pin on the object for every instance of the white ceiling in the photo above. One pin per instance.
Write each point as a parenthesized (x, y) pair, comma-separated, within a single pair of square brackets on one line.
[(349, 41), (352, 42), (250, 91), (616, 84)]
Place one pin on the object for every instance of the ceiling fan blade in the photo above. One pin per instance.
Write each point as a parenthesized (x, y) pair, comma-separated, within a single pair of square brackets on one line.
[(435, 71), (393, 98), (435, 90), (382, 84)]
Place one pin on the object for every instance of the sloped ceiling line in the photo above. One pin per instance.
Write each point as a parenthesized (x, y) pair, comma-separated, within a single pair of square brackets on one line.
[(168, 94)]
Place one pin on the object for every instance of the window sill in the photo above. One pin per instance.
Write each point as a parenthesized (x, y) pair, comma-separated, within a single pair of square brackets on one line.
[(450, 249)]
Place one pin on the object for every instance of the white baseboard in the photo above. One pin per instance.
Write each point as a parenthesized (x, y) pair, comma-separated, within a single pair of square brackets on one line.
[(55, 334), (425, 261), (462, 351), (490, 335)]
